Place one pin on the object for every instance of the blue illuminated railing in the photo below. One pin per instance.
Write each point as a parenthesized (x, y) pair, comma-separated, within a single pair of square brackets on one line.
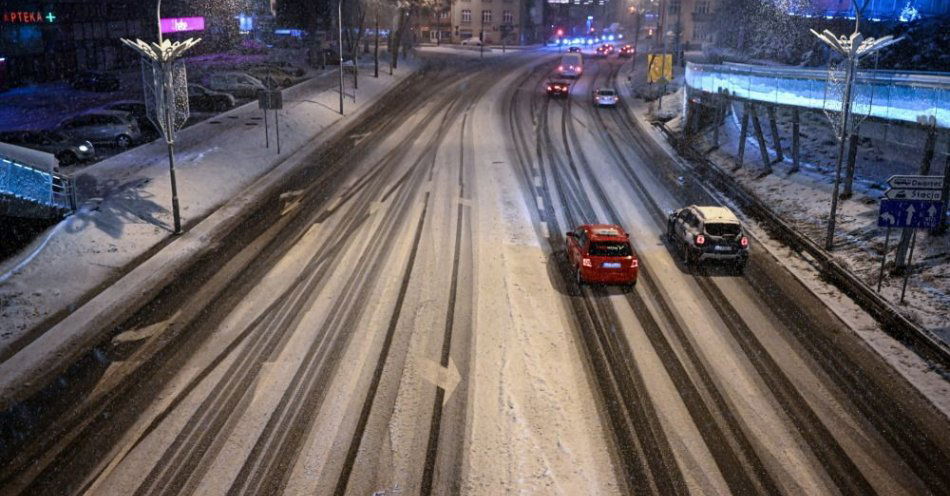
[(888, 95), (28, 184)]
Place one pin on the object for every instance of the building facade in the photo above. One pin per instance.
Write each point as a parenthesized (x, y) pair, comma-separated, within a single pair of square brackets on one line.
[(494, 21), (49, 41)]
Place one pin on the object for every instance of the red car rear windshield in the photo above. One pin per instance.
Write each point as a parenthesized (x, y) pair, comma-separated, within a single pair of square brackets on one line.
[(610, 250)]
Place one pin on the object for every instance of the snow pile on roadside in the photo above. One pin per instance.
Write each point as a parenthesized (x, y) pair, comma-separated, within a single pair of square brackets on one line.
[(127, 199)]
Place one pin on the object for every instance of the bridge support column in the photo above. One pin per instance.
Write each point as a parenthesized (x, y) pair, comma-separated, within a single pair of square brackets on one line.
[(760, 137), (852, 159), (942, 226), (743, 135), (796, 142), (902, 260), (776, 139)]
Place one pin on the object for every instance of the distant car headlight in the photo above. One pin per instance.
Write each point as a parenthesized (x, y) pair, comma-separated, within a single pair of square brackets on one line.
[(83, 148)]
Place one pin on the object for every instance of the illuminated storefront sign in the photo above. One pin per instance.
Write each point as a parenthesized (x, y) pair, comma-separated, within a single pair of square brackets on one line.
[(27, 17), (181, 24)]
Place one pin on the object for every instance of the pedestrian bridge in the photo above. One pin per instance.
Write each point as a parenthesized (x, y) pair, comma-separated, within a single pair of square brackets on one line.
[(31, 192), (885, 95)]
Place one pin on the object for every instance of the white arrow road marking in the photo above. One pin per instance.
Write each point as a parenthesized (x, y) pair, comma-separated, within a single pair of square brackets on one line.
[(145, 332), (291, 201), (887, 217), (910, 213), (359, 137), (447, 378)]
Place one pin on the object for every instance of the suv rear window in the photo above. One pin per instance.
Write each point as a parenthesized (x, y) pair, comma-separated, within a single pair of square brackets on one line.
[(722, 229), (609, 250)]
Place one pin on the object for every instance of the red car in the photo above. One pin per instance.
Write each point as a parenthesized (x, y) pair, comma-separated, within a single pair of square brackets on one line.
[(558, 88), (601, 253), (627, 51)]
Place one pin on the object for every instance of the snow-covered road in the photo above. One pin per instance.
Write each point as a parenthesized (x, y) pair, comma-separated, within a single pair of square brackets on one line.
[(409, 326)]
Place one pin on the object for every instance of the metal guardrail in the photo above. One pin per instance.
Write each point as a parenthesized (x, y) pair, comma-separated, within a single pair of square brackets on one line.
[(892, 321), (888, 95)]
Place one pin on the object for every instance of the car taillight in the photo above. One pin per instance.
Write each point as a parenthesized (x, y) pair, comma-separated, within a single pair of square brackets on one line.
[(549, 88), (586, 262), (744, 242), (634, 263), (560, 67), (700, 240)]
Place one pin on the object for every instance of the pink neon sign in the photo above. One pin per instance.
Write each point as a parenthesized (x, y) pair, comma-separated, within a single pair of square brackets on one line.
[(180, 24)]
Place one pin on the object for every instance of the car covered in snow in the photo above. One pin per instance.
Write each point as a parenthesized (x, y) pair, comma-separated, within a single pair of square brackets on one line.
[(602, 254), (557, 88), (67, 150), (110, 127), (605, 97), (571, 66), (708, 233)]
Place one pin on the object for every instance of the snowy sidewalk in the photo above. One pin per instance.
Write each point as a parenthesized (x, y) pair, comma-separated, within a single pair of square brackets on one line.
[(126, 199)]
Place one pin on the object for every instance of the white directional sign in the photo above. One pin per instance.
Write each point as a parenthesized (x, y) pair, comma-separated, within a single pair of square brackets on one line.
[(916, 182), (914, 194)]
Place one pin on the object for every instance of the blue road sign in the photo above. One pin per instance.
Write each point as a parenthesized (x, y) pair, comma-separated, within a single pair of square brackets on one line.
[(915, 214)]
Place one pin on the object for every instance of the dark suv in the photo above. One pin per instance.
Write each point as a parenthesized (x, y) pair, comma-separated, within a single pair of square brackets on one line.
[(708, 233)]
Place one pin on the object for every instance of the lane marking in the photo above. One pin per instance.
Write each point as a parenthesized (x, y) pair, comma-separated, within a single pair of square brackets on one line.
[(447, 378), (544, 230), (537, 181), (540, 202), (465, 202)]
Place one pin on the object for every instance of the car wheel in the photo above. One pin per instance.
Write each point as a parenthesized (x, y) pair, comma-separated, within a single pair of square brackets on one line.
[(288, 82), (687, 256), (67, 158), (123, 141), (739, 268), (220, 105), (578, 278)]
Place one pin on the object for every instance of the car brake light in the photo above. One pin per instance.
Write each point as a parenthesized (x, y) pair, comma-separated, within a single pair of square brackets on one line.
[(634, 263), (549, 87), (744, 242), (700, 240), (586, 262), (560, 67)]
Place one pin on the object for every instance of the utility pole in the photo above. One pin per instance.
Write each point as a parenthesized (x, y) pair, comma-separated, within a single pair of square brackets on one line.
[(339, 46), (376, 45)]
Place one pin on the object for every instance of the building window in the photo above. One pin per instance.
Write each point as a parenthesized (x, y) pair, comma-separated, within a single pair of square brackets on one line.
[(674, 7), (486, 16), (466, 16), (507, 17), (702, 7)]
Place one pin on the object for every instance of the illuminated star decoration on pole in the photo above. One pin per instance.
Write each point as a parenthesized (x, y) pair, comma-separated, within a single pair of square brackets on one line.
[(163, 53), (853, 48)]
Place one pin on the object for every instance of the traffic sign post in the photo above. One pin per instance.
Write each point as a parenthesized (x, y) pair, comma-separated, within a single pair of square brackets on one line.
[(271, 100)]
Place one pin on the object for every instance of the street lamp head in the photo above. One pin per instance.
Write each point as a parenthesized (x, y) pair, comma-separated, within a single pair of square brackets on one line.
[(856, 45), (166, 51)]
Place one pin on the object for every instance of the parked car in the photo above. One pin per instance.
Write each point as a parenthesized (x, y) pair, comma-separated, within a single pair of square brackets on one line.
[(95, 81), (601, 253), (272, 77), (473, 41), (708, 233), (330, 56), (605, 97), (239, 84), (66, 149), (201, 98), (558, 88), (103, 126), (139, 111), (288, 67)]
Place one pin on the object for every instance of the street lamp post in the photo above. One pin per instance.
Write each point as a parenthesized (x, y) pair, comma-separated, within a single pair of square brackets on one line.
[(376, 45), (853, 48), (165, 109), (339, 22)]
